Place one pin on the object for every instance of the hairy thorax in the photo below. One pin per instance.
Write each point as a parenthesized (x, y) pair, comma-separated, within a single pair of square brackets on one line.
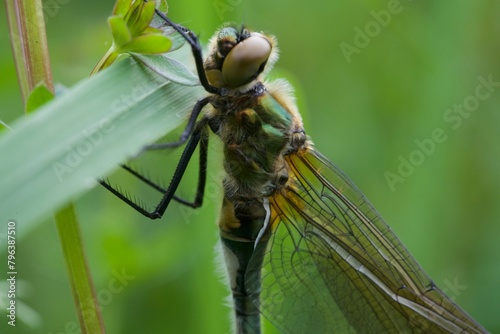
[(257, 131)]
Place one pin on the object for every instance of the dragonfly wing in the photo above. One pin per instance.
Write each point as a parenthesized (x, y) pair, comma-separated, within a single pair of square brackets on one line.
[(331, 263)]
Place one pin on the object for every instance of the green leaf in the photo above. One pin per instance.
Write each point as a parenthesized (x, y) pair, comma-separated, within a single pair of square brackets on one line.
[(134, 12), (38, 97), (148, 44), (119, 30), (148, 10), (121, 7), (3, 125), (57, 152), (177, 40), (168, 68), (162, 6)]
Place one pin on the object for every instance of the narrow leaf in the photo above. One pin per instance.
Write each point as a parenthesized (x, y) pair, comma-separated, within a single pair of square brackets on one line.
[(119, 30), (38, 97), (148, 44), (121, 7), (168, 68), (162, 6), (134, 12), (148, 10), (3, 125), (64, 146)]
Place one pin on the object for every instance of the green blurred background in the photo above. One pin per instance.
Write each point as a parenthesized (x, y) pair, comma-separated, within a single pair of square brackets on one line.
[(363, 114)]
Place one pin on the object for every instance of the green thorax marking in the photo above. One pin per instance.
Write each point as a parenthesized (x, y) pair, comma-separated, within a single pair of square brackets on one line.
[(255, 130)]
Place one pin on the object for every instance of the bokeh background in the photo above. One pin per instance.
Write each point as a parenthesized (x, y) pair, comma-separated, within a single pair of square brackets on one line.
[(364, 111)]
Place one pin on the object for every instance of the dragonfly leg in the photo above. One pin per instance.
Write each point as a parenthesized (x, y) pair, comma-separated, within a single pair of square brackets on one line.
[(168, 194), (200, 130), (202, 176), (198, 107), (196, 48)]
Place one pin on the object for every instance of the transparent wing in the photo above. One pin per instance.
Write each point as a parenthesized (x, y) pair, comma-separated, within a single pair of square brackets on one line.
[(332, 265)]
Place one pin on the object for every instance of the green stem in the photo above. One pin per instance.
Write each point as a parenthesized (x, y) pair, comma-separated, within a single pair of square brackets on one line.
[(81, 281), (105, 61), (29, 45)]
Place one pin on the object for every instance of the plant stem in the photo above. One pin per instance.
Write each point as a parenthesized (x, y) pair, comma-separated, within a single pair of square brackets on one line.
[(29, 45), (105, 61), (81, 281)]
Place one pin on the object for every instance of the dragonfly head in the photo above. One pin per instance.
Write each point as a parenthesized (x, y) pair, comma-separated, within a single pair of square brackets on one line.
[(238, 57)]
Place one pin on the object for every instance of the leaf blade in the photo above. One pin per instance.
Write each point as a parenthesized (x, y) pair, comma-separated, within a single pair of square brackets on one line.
[(84, 135)]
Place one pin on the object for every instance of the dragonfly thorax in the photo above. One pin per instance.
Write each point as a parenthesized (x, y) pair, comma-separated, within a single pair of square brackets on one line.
[(257, 129)]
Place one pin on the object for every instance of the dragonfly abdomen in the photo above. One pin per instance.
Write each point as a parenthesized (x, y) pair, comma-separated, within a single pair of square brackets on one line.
[(256, 131), (240, 224)]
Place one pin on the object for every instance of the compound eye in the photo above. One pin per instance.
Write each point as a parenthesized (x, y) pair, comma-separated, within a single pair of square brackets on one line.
[(246, 60)]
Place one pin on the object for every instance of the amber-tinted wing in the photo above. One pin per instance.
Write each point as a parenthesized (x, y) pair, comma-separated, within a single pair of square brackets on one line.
[(332, 265)]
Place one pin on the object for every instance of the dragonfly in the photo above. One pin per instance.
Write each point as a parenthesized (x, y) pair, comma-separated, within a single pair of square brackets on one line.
[(302, 245)]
